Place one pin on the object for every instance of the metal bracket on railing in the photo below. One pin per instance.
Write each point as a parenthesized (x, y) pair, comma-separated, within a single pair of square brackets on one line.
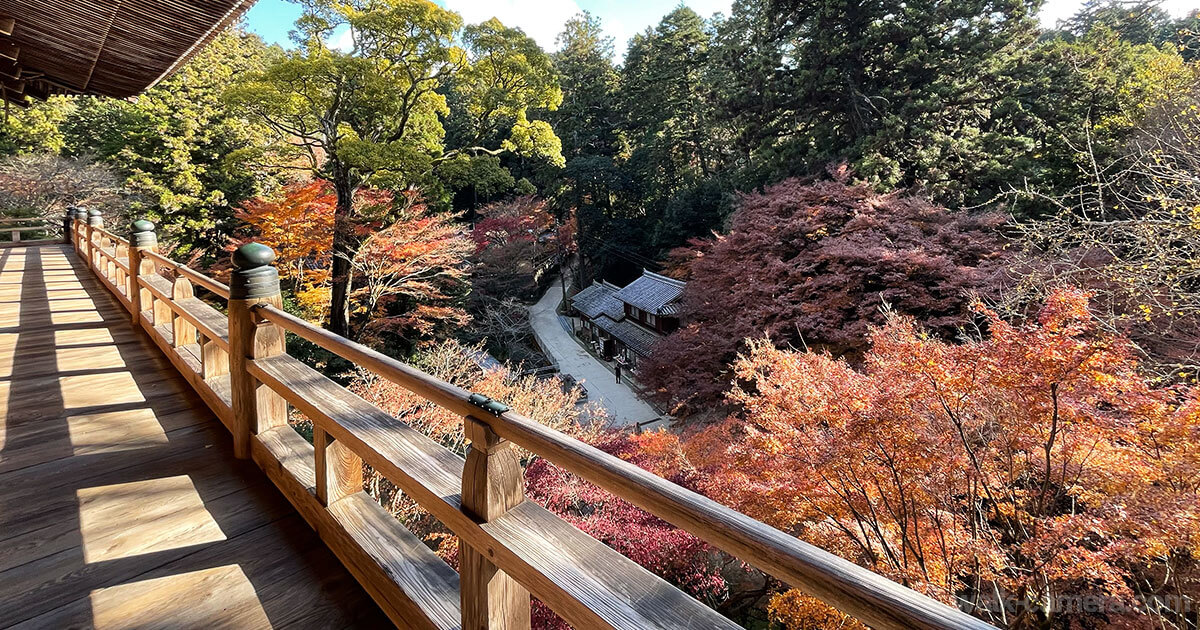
[(485, 403)]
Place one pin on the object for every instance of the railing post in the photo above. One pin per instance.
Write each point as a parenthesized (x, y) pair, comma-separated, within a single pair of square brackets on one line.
[(493, 483), (68, 221), (80, 219), (141, 238), (94, 220), (254, 281)]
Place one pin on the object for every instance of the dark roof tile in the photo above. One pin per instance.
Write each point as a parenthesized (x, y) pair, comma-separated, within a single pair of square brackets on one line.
[(653, 293)]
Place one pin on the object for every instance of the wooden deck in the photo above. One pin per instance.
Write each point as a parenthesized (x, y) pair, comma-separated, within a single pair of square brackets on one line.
[(121, 504)]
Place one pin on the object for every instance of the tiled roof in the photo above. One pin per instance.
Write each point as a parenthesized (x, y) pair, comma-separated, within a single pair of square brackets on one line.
[(632, 335), (652, 293), (599, 299)]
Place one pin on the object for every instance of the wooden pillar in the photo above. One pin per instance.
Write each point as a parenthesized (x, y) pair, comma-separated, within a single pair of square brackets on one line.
[(339, 470), (493, 483), (94, 220), (79, 219), (254, 281), (141, 239)]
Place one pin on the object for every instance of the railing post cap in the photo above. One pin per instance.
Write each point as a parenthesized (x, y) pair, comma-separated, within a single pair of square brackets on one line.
[(252, 255), (142, 234), (94, 212)]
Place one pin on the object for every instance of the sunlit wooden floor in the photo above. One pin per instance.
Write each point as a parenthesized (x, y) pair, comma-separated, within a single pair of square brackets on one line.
[(121, 504)]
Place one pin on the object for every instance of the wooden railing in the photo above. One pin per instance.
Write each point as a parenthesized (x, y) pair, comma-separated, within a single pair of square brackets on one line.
[(509, 547), (19, 229)]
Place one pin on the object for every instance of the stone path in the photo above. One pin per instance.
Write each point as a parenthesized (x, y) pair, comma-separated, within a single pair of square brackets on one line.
[(553, 335)]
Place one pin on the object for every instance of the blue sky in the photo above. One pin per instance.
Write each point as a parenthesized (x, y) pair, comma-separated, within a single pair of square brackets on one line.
[(543, 19)]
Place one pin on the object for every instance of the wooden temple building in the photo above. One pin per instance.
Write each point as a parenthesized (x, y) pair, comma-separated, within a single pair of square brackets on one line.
[(150, 478), (624, 323)]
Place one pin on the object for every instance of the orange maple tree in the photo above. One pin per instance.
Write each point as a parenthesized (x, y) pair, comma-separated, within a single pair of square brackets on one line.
[(1033, 477), (409, 264), (298, 225), (420, 259)]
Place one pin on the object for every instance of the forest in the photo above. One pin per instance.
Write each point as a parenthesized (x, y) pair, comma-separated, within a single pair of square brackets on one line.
[(942, 312)]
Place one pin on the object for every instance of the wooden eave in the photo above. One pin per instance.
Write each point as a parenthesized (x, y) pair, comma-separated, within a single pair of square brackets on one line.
[(114, 48)]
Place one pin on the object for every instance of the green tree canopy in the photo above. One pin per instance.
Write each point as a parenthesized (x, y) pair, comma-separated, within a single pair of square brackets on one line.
[(374, 114)]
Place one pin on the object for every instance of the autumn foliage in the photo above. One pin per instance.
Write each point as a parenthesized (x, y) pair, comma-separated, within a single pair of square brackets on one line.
[(813, 264), (669, 552), (409, 267), (517, 242), (412, 274), (298, 225), (1032, 468)]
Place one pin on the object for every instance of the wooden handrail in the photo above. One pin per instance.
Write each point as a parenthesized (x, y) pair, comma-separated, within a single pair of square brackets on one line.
[(103, 232), (14, 227), (238, 364), (213, 286), (867, 596)]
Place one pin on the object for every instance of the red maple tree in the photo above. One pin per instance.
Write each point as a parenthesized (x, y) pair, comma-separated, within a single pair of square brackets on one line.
[(814, 264)]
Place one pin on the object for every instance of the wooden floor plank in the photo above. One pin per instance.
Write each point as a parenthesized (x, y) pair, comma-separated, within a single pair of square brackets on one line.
[(121, 504)]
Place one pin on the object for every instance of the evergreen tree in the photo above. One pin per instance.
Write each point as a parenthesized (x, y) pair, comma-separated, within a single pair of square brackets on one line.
[(909, 93), (668, 115), (171, 144), (587, 123)]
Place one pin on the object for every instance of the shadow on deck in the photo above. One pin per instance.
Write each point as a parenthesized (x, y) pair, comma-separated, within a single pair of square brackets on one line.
[(121, 503)]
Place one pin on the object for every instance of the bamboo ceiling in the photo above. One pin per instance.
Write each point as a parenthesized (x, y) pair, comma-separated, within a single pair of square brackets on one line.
[(104, 47)]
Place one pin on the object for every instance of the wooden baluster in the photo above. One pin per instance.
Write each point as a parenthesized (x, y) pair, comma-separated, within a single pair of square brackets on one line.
[(94, 220), (141, 239), (214, 361), (99, 260), (254, 281), (160, 310), (185, 332), (16, 235), (110, 263), (493, 483), (102, 262), (122, 278), (339, 470)]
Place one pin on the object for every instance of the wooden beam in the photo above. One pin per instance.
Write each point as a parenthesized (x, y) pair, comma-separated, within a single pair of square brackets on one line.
[(7, 25), (19, 101), (13, 86), (10, 69), (38, 90), (9, 49), (493, 483)]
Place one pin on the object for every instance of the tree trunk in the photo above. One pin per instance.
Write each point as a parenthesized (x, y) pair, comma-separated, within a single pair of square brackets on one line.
[(343, 253)]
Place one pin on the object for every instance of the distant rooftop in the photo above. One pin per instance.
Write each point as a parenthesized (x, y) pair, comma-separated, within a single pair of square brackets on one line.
[(632, 335), (653, 293), (599, 300)]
